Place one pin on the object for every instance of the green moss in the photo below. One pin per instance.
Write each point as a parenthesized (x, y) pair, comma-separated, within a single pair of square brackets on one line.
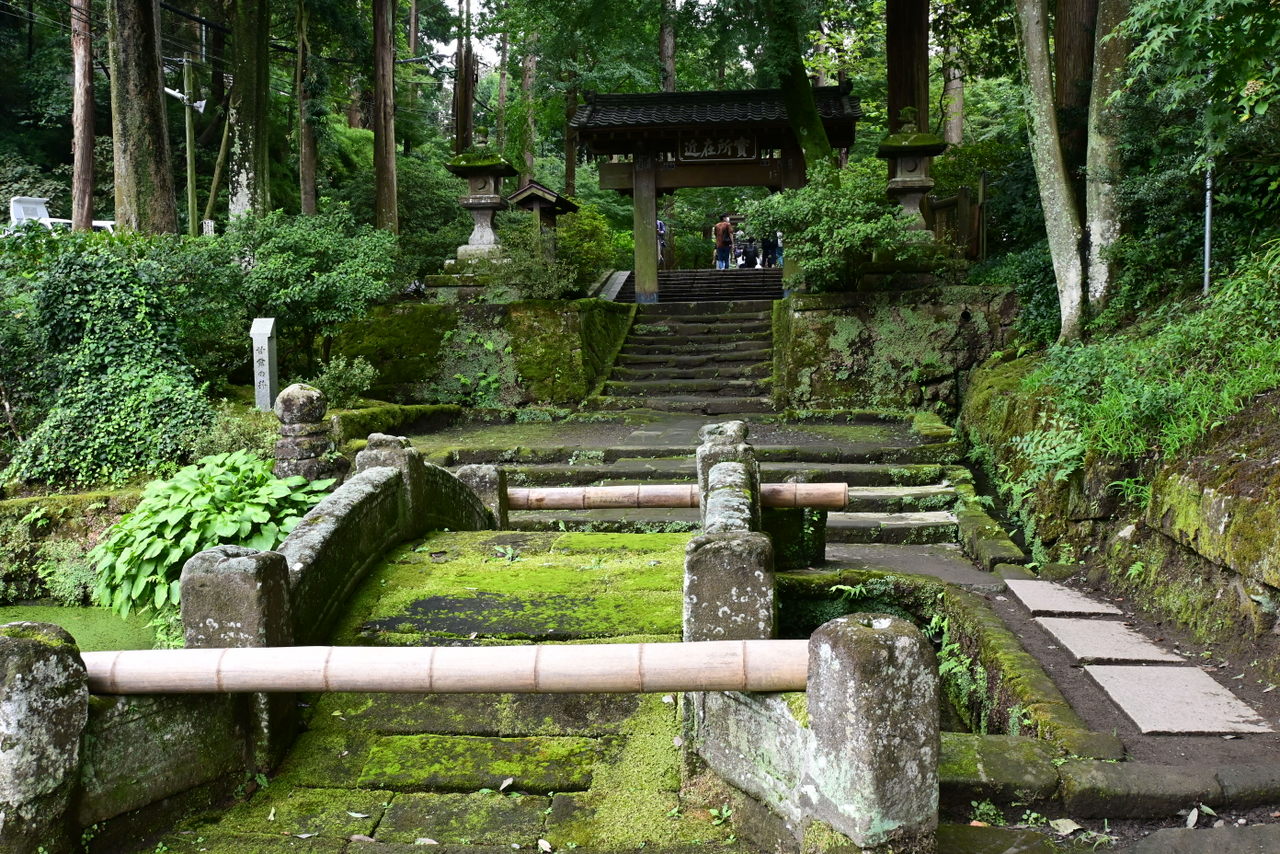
[(327, 813), (798, 704), (93, 628), (402, 340), (480, 818), (352, 425), (467, 763)]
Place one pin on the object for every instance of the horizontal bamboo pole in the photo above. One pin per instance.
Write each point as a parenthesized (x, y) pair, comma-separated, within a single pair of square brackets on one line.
[(754, 665), (824, 496)]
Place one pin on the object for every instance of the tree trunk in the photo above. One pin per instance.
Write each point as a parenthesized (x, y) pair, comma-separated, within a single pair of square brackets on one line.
[(306, 130), (1102, 160), (250, 138), (139, 125), (528, 76), (570, 136), (218, 168), (667, 45), (1073, 47), (384, 122), (503, 85), (355, 116), (783, 46), (82, 116), (413, 53), (952, 105), (1061, 220), (907, 42)]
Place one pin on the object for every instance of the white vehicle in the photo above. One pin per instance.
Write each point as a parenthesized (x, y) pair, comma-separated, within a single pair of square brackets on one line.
[(23, 209)]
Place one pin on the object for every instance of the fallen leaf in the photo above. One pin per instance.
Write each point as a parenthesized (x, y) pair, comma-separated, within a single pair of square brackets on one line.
[(271, 816), (667, 698), (678, 741), (1193, 817), (1268, 689), (1208, 811), (544, 845), (305, 835), (1064, 826), (1229, 737), (422, 840), (357, 814), (505, 783), (360, 837), (976, 823), (1219, 823)]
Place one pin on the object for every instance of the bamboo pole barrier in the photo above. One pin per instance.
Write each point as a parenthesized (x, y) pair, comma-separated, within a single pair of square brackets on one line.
[(753, 665), (824, 496)]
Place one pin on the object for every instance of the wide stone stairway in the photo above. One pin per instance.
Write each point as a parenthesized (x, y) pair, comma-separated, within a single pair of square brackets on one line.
[(706, 357)]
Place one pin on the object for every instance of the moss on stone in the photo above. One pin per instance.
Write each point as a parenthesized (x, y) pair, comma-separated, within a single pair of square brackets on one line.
[(351, 425), (477, 818), (331, 813), (466, 763), (798, 704)]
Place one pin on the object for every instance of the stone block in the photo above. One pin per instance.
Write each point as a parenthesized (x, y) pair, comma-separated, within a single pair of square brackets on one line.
[(729, 587), (1134, 789), (1104, 641), (303, 447), (312, 469), (726, 443), (305, 429), (1004, 768), (1245, 786), (727, 502), (1254, 839), (1047, 599), (873, 711), (300, 404), (489, 483), (238, 597), (1175, 700), (44, 705)]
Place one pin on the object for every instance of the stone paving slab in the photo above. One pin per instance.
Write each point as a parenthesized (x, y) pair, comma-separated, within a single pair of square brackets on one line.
[(1175, 700), (1105, 641), (964, 839), (1254, 839), (1044, 598)]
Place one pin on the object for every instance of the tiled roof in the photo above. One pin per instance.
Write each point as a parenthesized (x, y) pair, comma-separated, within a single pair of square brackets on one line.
[(675, 109)]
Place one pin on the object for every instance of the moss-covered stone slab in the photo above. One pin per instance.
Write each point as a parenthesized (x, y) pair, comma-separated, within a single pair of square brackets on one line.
[(322, 759), (238, 843), (328, 813), (481, 818), (475, 714), (448, 763), (1135, 789), (1002, 768)]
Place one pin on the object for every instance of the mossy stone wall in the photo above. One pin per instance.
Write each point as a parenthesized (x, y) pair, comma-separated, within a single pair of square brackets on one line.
[(1201, 554), (886, 350), (547, 351)]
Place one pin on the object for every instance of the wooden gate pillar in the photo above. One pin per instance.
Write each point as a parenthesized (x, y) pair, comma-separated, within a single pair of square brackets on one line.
[(644, 196)]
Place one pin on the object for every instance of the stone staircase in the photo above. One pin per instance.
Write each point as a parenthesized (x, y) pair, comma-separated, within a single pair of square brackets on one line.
[(705, 357), (713, 285)]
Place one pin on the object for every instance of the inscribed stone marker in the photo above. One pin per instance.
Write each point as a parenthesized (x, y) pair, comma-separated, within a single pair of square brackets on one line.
[(265, 380)]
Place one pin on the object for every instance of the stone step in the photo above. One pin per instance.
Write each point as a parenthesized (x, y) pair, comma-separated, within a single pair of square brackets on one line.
[(687, 360), (1105, 642), (900, 528), (615, 521), (1049, 599), (1175, 700), (716, 386), (943, 561), (701, 326), (727, 370), (702, 405), (698, 340), (1251, 839), (665, 470), (725, 310), (673, 348), (466, 763)]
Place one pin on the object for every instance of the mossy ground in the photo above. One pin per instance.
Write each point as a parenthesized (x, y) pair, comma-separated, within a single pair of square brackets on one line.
[(93, 628), (593, 771)]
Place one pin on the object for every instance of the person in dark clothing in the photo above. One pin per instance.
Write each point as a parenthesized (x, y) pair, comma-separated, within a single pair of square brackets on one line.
[(769, 249), (750, 257), (724, 243)]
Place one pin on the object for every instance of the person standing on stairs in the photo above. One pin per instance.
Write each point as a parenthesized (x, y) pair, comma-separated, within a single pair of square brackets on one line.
[(723, 233)]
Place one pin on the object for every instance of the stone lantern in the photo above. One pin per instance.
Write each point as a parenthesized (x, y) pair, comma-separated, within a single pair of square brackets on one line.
[(908, 152), (484, 171)]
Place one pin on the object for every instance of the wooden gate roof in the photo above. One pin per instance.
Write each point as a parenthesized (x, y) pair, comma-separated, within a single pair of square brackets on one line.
[(654, 121)]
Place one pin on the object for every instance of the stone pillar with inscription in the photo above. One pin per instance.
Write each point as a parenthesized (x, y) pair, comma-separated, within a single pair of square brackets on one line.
[(265, 379)]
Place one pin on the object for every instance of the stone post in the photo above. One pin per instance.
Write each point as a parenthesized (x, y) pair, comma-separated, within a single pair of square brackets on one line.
[(727, 442), (729, 587), (44, 705), (239, 597), (873, 712), (305, 446), (396, 452), (265, 379), (490, 483)]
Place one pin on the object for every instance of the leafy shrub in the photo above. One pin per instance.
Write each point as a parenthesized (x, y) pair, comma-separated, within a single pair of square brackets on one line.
[(66, 571), (343, 381), (223, 499), (237, 427), (126, 400), (1030, 273), (528, 261), (584, 241), (840, 218)]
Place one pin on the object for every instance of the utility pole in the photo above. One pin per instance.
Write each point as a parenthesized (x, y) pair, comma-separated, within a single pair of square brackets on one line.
[(82, 117), (188, 93)]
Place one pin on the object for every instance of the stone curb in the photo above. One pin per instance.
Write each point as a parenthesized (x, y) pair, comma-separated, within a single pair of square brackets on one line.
[(985, 541)]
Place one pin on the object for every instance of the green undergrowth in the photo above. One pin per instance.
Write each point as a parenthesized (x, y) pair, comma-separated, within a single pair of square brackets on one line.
[(93, 628)]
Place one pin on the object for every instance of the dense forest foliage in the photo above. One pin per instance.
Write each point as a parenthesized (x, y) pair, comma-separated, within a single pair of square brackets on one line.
[(1094, 126)]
